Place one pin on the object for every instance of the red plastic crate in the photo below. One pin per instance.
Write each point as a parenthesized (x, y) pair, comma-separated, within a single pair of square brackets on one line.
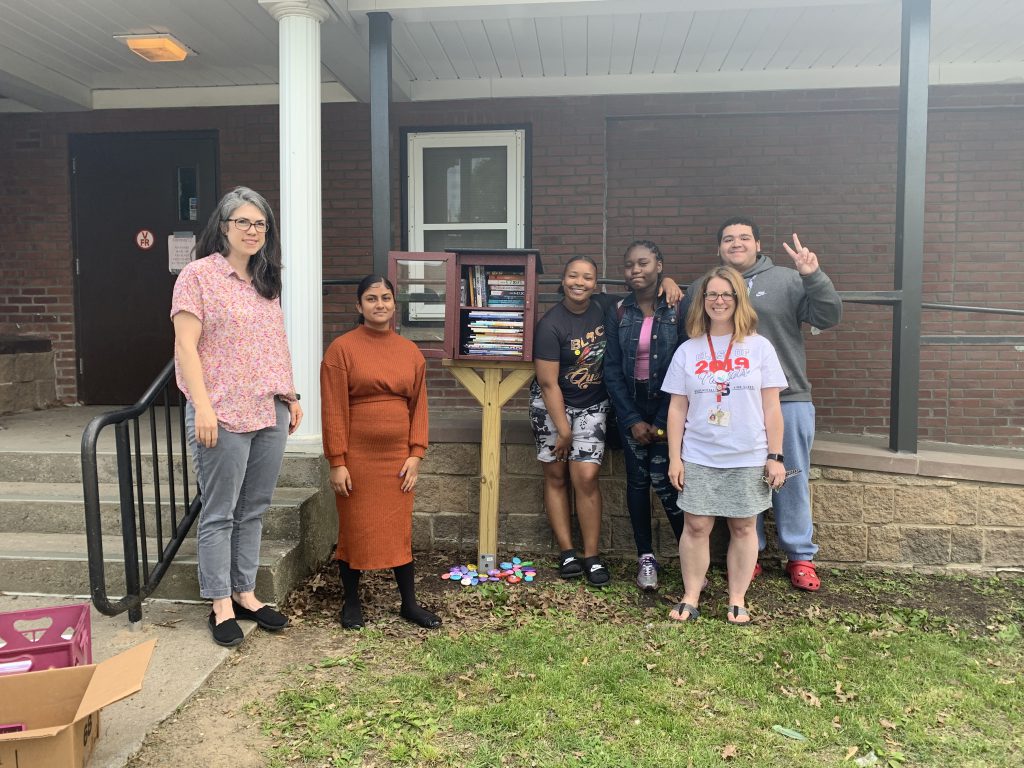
[(45, 638)]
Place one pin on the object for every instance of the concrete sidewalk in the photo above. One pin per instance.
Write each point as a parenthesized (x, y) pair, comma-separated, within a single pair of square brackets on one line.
[(185, 657)]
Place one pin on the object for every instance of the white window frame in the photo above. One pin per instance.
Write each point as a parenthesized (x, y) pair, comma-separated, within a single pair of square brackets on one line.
[(514, 140)]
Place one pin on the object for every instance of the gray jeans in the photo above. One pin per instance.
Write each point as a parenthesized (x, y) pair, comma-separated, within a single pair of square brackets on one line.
[(236, 478)]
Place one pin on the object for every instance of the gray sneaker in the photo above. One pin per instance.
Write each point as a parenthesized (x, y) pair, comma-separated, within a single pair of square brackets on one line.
[(647, 573)]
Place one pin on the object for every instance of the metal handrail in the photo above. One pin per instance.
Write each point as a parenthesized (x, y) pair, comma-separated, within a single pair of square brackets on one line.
[(141, 578)]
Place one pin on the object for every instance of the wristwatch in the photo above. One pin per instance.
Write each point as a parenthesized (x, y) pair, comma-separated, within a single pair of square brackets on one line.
[(776, 457)]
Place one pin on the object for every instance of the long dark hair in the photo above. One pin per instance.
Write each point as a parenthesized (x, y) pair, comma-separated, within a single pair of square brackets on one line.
[(365, 285), (265, 265)]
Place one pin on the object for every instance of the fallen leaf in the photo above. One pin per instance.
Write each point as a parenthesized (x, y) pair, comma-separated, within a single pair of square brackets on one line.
[(789, 733), (810, 699), (585, 662), (729, 752), (887, 724), (842, 696), (850, 752)]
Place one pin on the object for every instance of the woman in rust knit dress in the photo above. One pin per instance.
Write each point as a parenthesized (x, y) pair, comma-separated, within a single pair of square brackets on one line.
[(374, 400)]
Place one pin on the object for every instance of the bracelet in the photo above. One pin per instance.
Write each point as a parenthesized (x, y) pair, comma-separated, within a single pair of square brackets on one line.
[(776, 457)]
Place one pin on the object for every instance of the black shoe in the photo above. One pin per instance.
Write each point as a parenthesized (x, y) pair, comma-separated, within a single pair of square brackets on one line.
[(227, 633), (570, 566), (597, 573), (351, 616), (266, 617), (421, 616)]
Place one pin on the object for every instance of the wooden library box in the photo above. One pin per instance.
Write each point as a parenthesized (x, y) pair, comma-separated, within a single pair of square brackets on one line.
[(468, 304)]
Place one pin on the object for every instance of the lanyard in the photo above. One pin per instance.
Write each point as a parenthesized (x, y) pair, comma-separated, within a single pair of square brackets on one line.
[(719, 369)]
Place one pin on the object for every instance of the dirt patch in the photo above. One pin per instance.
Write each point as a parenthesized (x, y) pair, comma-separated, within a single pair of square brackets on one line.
[(217, 727)]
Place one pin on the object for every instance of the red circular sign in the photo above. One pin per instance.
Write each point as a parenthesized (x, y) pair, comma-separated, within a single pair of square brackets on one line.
[(144, 239)]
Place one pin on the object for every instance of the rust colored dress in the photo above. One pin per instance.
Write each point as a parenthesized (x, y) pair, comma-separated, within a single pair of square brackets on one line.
[(374, 407)]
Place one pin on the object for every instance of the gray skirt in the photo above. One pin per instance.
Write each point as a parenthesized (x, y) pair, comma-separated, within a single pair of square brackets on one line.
[(734, 492)]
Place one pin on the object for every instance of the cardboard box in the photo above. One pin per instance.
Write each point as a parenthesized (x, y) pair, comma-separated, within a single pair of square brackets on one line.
[(59, 709)]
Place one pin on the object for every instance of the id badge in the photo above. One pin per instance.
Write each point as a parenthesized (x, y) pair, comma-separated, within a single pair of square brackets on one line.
[(718, 417)]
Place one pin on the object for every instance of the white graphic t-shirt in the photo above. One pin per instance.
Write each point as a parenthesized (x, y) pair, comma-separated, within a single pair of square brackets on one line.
[(737, 439)]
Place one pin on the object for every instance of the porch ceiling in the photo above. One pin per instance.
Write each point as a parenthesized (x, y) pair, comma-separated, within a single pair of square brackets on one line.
[(61, 54)]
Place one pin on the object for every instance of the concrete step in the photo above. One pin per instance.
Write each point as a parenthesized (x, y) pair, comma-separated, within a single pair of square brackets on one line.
[(58, 508), (58, 563), (297, 471)]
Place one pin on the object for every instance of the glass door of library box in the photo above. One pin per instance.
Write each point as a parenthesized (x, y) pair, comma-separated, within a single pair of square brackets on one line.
[(423, 284)]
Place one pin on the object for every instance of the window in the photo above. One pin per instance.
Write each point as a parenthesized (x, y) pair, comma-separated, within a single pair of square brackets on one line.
[(466, 189)]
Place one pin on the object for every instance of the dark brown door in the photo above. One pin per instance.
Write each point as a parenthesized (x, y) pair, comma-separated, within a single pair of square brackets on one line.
[(130, 192)]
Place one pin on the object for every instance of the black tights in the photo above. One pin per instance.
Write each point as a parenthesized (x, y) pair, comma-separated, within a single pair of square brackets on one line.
[(405, 577)]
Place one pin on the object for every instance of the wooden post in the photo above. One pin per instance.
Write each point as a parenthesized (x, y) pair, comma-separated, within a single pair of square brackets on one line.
[(492, 391)]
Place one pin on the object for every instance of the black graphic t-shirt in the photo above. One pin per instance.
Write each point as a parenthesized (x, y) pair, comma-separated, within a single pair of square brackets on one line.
[(577, 342)]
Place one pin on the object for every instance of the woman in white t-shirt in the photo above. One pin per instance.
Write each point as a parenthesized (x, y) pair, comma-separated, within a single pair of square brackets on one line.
[(724, 435)]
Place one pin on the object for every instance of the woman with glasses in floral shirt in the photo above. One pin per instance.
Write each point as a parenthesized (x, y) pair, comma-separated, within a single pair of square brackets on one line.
[(233, 365)]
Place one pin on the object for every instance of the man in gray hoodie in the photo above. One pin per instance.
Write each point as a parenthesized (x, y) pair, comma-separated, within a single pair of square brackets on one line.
[(786, 298)]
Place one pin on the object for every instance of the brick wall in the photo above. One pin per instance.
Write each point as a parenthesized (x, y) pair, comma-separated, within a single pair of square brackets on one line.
[(608, 169)]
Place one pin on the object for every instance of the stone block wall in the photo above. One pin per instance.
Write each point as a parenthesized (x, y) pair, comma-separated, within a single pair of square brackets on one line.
[(862, 518), (28, 378), (931, 523)]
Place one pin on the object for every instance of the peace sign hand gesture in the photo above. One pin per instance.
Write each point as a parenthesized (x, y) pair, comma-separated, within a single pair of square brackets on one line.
[(805, 260)]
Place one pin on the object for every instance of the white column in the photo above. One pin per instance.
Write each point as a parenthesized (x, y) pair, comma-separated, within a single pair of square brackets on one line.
[(300, 215)]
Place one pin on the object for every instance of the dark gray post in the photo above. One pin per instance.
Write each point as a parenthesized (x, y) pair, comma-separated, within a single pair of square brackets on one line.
[(380, 137), (910, 187)]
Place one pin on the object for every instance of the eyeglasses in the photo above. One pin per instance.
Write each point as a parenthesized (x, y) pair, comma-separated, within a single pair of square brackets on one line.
[(245, 225), (715, 296)]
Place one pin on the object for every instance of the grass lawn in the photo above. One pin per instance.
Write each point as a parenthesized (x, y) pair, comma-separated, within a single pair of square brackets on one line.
[(876, 669)]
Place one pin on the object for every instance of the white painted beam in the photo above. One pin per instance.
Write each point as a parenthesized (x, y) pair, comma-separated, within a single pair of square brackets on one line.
[(710, 82), (226, 96), (464, 10)]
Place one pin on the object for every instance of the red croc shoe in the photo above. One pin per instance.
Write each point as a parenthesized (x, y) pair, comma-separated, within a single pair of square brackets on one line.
[(803, 575)]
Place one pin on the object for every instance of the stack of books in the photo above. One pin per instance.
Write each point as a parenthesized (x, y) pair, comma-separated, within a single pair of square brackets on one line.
[(494, 334), (506, 289), (496, 288)]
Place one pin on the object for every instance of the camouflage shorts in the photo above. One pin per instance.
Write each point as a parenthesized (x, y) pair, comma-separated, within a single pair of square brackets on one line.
[(588, 431)]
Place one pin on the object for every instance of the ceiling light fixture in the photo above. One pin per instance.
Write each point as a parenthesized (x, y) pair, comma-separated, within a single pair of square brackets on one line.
[(156, 47)]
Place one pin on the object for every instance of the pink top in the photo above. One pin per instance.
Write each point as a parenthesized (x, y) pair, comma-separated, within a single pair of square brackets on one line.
[(642, 368), (242, 347)]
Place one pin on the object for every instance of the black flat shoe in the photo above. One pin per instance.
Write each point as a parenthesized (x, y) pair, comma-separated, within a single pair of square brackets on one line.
[(266, 617), (227, 633), (351, 616), (421, 616)]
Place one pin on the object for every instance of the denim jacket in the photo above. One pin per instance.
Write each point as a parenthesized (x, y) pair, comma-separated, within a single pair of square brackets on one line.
[(667, 333)]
